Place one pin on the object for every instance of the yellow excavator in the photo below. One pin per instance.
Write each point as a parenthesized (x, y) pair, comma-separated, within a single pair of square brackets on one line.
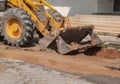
[(21, 18)]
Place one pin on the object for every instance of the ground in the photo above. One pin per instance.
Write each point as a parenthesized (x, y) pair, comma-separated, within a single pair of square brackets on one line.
[(97, 65), (20, 72)]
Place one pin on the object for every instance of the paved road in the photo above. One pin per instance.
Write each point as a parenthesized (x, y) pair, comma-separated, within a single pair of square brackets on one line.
[(19, 72)]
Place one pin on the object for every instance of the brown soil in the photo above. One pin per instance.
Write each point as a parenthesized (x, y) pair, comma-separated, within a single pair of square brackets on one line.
[(77, 63), (108, 53), (103, 53), (115, 65)]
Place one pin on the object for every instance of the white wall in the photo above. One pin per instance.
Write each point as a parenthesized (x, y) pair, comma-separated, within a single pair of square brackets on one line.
[(105, 6), (72, 7)]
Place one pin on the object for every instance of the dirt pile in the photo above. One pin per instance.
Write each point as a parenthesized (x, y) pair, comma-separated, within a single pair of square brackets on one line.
[(103, 53), (108, 53)]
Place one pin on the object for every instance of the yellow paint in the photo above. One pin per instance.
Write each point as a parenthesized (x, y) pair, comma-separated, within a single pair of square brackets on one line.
[(14, 28)]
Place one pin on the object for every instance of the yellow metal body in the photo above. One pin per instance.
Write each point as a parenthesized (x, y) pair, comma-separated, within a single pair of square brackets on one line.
[(31, 6)]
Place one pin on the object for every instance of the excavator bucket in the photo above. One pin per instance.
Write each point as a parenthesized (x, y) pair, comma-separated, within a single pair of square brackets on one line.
[(72, 39)]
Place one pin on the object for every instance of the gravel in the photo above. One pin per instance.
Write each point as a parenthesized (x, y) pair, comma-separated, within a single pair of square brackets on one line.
[(20, 72)]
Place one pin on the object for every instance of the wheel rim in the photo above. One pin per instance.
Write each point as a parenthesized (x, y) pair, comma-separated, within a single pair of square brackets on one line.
[(14, 28)]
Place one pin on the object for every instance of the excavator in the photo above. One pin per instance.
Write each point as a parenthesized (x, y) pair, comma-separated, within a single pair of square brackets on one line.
[(21, 18)]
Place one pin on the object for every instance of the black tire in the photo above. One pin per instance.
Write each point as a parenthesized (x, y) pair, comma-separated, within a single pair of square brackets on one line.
[(42, 17), (27, 27), (41, 14), (56, 15)]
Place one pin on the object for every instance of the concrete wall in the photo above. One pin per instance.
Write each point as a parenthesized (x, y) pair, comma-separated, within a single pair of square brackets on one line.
[(72, 7), (105, 6)]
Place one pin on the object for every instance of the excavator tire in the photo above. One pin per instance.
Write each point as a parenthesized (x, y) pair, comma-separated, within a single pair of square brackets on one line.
[(17, 27), (42, 17), (56, 15)]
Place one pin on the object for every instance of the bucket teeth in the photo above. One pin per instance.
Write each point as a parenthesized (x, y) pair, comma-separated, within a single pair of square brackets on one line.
[(48, 39), (62, 46)]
